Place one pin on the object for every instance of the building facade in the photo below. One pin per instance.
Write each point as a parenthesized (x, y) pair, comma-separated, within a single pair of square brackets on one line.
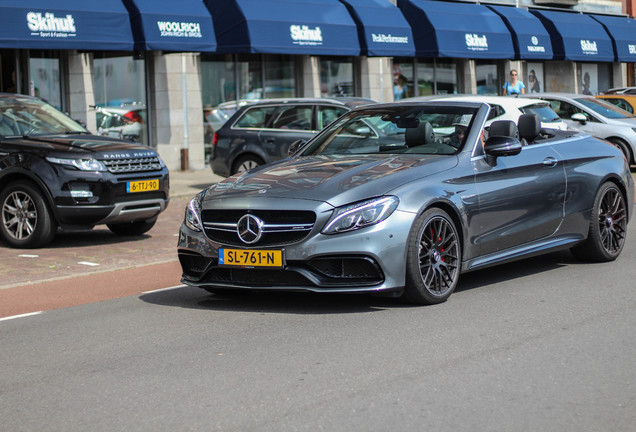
[(154, 70)]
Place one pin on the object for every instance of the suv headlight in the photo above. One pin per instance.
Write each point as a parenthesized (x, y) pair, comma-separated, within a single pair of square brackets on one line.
[(193, 213), (80, 164), (362, 214)]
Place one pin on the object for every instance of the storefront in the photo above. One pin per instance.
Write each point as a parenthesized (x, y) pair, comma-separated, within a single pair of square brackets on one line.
[(146, 70)]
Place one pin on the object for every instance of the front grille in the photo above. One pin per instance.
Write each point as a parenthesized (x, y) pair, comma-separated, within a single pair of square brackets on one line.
[(280, 227), (132, 165)]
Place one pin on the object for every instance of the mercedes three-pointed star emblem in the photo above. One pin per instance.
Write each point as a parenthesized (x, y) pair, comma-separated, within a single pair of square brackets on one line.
[(249, 228)]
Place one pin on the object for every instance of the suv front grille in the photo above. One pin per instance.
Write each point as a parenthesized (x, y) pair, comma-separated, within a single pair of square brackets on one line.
[(132, 165), (279, 227)]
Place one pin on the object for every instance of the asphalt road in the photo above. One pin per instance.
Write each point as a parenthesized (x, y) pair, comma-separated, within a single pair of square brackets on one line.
[(545, 344)]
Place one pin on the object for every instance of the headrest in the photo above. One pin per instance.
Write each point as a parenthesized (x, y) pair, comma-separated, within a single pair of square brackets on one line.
[(420, 135), (506, 128), (529, 126)]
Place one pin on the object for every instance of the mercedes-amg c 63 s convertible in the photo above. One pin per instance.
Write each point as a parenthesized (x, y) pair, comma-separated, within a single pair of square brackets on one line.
[(402, 199)]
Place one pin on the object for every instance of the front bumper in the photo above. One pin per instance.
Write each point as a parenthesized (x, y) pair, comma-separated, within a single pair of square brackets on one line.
[(367, 260)]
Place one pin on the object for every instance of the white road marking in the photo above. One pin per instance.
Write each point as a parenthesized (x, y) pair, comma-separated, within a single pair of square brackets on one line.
[(20, 316), (29, 256), (87, 263), (163, 289)]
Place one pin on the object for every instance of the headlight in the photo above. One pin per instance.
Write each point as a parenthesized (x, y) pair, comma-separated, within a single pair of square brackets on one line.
[(193, 212), (361, 214), (80, 164)]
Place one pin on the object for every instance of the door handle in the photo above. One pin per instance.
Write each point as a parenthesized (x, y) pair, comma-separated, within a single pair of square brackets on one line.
[(550, 161)]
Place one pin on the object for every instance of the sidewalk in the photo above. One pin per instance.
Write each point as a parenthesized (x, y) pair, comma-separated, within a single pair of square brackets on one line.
[(189, 183), (73, 254)]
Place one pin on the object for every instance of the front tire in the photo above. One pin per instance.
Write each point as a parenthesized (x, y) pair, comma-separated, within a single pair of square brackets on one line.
[(132, 228), (608, 227), (433, 258), (25, 219), (623, 147)]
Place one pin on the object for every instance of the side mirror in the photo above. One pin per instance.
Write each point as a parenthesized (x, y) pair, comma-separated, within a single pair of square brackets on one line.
[(295, 146), (579, 117), (501, 146)]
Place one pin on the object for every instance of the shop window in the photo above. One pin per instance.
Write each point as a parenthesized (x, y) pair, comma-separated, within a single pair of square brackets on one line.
[(487, 79), (120, 97), (534, 78), (44, 77), (403, 78), (436, 77), (336, 77)]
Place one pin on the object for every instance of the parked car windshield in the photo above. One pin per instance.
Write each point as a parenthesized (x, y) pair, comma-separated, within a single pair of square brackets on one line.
[(28, 116), (603, 108), (546, 114), (402, 129)]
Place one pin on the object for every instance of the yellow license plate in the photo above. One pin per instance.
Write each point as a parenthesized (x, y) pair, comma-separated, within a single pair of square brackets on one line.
[(142, 186), (250, 258)]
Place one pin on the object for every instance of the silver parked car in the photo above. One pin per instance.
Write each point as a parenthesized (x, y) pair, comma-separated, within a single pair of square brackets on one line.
[(402, 198), (596, 117)]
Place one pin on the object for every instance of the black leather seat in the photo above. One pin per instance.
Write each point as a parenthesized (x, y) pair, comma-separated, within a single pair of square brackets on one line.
[(529, 127), (421, 135)]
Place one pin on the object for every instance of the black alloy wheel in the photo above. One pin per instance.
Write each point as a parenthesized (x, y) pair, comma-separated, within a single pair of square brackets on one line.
[(608, 226), (433, 258)]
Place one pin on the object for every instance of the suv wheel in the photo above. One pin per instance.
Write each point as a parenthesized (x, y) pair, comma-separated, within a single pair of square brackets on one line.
[(25, 219)]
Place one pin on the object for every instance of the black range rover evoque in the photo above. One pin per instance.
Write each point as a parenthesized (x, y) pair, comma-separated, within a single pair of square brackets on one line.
[(54, 173)]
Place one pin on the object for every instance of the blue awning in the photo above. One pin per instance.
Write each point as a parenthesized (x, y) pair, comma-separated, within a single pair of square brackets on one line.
[(315, 27), (622, 30), (576, 36), (382, 29), (168, 25), (461, 30), (65, 24), (530, 38)]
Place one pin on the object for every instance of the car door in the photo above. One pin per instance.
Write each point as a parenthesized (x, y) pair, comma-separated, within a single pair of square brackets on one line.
[(289, 123), (521, 198)]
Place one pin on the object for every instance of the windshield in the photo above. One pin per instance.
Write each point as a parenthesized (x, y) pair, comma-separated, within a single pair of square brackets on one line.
[(396, 130), (603, 108), (27, 116), (546, 114)]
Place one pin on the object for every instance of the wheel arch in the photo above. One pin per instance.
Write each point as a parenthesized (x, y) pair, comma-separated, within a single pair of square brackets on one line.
[(624, 142), (454, 213), (242, 155), (621, 186), (24, 175)]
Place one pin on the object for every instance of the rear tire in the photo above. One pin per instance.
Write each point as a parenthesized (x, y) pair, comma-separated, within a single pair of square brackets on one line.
[(608, 227), (132, 228), (25, 218), (433, 258)]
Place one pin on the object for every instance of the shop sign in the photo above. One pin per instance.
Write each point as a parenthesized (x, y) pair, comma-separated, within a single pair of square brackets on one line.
[(632, 48), (589, 47), (382, 38), (179, 29), (475, 42), (49, 26), (535, 47), (303, 35)]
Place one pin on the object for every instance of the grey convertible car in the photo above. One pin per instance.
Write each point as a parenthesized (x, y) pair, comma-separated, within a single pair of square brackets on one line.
[(402, 198)]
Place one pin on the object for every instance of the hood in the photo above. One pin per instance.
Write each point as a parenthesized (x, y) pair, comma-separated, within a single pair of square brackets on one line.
[(631, 122), (337, 180), (97, 146)]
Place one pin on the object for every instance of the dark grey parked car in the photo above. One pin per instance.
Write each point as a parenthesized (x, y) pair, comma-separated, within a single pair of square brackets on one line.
[(261, 133), (406, 209)]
